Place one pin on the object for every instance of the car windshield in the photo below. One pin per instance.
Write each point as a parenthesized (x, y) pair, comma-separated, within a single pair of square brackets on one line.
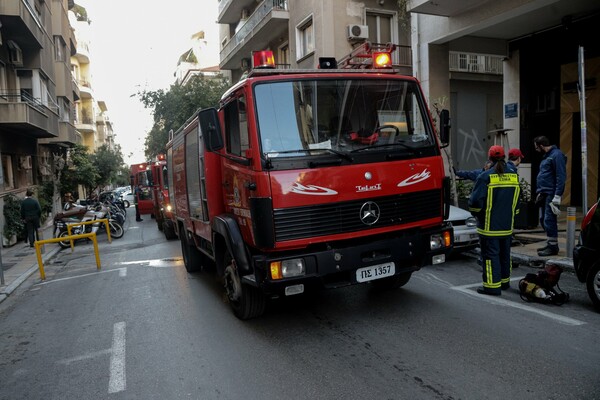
[(299, 118)]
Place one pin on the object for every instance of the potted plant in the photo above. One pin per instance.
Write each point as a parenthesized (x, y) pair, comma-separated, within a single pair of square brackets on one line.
[(464, 188), (527, 218), (13, 225)]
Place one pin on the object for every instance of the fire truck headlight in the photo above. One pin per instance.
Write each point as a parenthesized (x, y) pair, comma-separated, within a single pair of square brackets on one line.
[(287, 268), (440, 240), (169, 208)]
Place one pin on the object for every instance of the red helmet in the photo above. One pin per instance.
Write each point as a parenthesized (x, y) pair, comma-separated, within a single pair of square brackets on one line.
[(496, 152), (514, 153)]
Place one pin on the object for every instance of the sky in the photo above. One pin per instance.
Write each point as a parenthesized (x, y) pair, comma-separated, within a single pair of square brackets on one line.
[(135, 46)]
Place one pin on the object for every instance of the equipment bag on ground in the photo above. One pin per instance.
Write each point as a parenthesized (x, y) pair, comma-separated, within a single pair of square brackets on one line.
[(543, 286)]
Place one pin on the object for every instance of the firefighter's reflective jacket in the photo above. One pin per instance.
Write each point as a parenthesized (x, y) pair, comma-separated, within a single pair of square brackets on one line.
[(494, 201)]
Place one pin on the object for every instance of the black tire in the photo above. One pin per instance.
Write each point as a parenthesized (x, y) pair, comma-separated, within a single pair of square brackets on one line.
[(246, 301), (592, 284), (393, 282), (116, 230), (169, 230), (126, 203), (64, 244), (192, 258)]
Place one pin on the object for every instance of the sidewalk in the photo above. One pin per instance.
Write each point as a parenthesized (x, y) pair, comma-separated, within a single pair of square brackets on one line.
[(19, 262)]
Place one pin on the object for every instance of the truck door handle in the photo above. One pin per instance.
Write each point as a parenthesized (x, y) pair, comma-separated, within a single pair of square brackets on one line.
[(250, 185)]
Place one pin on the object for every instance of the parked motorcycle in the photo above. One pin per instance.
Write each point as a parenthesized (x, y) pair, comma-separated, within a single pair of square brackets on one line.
[(75, 214), (586, 254)]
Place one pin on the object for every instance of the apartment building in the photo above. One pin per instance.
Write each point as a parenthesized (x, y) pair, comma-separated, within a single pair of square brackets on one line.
[(507, 66), (299, 32), (36, 91)]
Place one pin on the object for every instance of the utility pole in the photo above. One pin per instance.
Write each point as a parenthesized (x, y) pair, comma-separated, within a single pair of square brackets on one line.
[(581, 89)]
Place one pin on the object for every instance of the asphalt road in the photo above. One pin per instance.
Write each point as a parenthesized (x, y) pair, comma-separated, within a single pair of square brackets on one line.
[(142, 328)]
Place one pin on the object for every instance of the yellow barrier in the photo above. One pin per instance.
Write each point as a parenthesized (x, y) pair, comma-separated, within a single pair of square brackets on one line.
[(39, 243), (104, 220)]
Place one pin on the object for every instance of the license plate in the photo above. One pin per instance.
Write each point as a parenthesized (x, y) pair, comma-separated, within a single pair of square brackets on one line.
[(465, 237), (375, 272)]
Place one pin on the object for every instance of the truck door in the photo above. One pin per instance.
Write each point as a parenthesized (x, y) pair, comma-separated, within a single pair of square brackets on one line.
[(238, 176)]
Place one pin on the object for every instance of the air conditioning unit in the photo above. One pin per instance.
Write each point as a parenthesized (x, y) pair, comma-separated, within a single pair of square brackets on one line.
[(25, 162), (358, 32), (15, 55)]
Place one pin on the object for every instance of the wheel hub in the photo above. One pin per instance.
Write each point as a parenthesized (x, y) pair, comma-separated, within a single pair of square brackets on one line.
[(233, 286)]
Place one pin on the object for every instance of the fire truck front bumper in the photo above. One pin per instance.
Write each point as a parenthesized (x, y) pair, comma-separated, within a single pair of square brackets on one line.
[(350, 262)]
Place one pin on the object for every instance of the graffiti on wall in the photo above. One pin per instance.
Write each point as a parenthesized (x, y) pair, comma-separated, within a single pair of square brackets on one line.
[(472, 153)]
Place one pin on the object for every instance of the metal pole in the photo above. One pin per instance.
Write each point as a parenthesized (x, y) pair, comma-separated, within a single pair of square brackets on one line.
[(584, 167), (571, 221)]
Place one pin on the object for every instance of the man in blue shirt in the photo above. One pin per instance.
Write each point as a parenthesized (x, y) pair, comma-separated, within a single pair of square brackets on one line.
[(550, 188)]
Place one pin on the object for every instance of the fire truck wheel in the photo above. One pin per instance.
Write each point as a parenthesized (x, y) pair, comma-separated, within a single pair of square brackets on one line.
[(191, 255), (393, 282), (246, 301), (169, 230)]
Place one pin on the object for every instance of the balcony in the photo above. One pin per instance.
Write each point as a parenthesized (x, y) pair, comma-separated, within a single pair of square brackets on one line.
[(21, 113), (442, 8), (86, 125), (67, 136), (231, 10), (83, 51), (22, 21), (476, 63), (268, 21), (85, 89)]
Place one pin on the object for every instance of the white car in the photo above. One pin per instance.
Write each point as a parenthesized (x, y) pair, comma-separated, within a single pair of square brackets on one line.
[(465, 229), (127, 197)]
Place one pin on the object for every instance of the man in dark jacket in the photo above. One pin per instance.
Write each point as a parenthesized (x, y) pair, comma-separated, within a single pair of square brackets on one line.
[(550, 188), (31, 212), (494, 202)]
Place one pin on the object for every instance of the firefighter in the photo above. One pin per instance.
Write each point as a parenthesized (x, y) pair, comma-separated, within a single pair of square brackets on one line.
[(494, 203)]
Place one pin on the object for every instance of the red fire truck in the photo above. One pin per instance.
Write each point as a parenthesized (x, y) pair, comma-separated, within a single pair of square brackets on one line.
[(153, 198), (309, 179)]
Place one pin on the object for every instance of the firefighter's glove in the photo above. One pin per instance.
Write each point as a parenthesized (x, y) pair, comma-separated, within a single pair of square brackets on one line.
[(556, 200), (555, 209)]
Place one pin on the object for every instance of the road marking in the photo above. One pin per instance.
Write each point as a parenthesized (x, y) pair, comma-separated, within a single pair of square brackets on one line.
[(156, 262), (466, 289), (117, 381), (117, 359), (87, 356), (122, 272)]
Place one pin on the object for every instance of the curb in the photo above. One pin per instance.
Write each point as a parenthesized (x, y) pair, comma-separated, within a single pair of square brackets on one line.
[(532, 261), (9, 289)]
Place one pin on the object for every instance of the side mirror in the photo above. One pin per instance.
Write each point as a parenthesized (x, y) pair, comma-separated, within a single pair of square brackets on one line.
[(210, 127), (445, 128)]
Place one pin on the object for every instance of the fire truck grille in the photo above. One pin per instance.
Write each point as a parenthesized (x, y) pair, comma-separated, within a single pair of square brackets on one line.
[(335, 218)]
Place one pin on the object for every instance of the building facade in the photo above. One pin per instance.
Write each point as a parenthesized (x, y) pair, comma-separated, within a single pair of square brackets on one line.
[(507, 70)]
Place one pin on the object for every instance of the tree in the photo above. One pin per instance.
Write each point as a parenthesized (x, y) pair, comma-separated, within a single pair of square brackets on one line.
[(173, 107), (107, 163), (81, 171)]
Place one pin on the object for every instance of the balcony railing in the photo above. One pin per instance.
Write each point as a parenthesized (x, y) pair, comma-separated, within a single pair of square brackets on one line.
[(257, 16), (17, 96), (476, 63)]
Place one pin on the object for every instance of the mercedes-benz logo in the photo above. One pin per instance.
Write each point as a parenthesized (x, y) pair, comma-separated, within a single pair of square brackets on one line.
[(369, 213)]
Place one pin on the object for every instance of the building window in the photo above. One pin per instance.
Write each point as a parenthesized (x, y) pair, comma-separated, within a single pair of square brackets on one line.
[(305, 38), (383, 29), (59, 49), (283, 56)]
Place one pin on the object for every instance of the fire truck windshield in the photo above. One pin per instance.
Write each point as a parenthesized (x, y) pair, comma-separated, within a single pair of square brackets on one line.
[(349, 115)]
